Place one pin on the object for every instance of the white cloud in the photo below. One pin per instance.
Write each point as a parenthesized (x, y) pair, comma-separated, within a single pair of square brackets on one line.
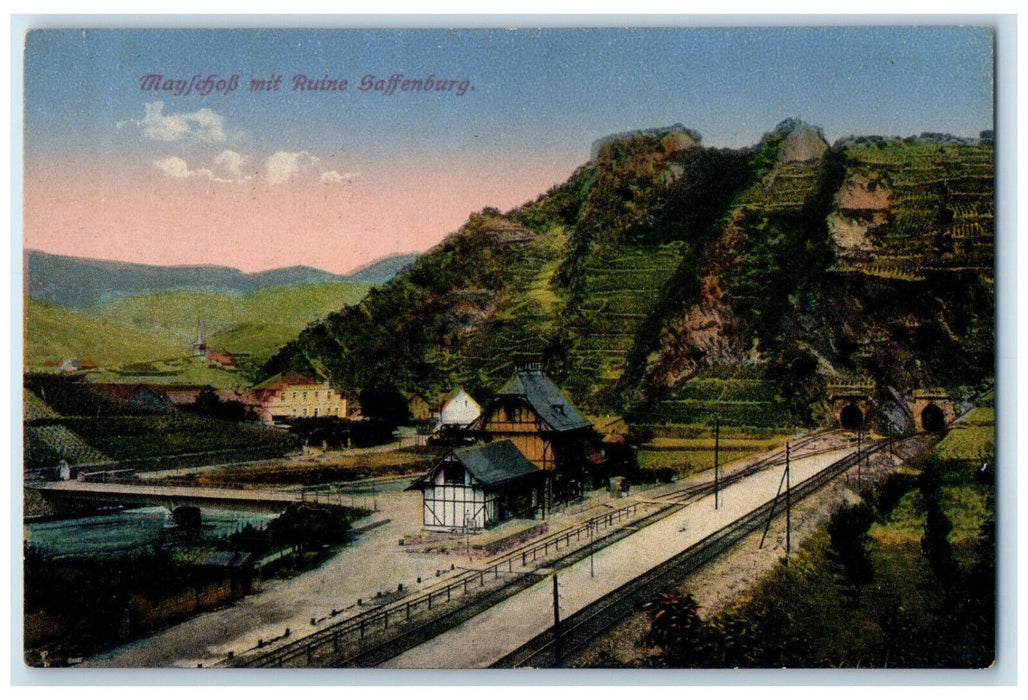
[(202, 125), (231, 163), (334, 177), (282, 166), (233, 167), (176, 167)]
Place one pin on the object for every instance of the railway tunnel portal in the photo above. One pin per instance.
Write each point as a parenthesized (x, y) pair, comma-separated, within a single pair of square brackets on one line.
[(852, 404), (934, 410)]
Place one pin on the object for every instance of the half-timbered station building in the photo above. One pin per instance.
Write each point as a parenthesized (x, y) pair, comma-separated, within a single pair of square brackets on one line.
[(538, 418), (479, 487)]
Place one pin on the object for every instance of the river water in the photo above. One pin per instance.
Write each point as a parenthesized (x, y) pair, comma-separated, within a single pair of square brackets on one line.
[(128, 530)]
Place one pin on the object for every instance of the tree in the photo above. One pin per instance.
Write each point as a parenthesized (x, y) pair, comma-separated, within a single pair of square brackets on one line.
[(934, 543), (848, 532), (676, 627)]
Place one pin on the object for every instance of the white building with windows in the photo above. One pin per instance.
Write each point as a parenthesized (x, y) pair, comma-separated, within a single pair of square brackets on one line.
[(293, 395), (458, 411)]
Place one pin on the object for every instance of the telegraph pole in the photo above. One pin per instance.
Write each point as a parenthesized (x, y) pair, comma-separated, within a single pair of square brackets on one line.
[(858, 458), (717, 438), (592, 572), (556, 623), (788, 504)]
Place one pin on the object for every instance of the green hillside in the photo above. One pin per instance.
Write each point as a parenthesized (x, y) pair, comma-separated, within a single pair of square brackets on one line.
[(147, 338), (678, 285), (54, 333), (175, 314)]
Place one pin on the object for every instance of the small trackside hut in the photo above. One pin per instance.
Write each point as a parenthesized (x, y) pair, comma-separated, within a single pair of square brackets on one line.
[(478, 487)]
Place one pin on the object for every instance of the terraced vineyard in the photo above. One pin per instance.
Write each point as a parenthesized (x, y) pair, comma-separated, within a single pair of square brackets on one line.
[(784, 189), (50, 444), (523, 324), (136, 437), (79, 426), (620, 287), (659, 258), (942, 207), (740, 396)]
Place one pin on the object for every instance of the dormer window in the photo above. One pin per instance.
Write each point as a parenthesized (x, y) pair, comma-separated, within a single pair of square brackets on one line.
[(453, 473), (558, 409)]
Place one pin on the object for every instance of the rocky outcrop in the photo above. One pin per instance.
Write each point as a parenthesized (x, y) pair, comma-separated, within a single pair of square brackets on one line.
[(863, 204), (803, 144), (673, 139)]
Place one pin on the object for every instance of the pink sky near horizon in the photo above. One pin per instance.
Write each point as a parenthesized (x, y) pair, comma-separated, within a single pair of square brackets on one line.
[(148, 217)]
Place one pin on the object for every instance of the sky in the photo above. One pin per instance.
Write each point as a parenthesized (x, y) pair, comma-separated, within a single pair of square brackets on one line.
[(182, 170)]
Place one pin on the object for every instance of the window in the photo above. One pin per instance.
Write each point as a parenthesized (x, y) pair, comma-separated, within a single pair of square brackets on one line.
[(453, 473)]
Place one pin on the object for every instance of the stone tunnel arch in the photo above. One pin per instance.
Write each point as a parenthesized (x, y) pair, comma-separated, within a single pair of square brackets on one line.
[(851, 417), (933, 419)]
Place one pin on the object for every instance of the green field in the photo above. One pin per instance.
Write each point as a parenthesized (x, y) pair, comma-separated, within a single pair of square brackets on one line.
[(688, 455)]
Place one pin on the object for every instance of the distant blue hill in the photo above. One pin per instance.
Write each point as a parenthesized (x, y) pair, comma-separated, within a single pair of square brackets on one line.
[(383, 270), (80, 283)]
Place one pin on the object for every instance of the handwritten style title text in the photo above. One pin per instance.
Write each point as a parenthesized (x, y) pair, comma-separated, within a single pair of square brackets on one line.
[(374, 84)]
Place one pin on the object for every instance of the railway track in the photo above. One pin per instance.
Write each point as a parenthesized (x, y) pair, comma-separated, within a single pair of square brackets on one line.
[(552, 649), (365, 639), (362, 639)]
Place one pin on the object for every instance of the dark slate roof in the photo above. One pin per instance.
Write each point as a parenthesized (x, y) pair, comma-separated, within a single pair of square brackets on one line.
[(495, 463), (492, 464), (548, 401)]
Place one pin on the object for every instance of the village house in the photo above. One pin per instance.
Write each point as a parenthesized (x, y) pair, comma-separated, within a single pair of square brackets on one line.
[(457, 411), (186, 395), (293, 395), (75, 365), (478, 487), (138, 395), (420, 409), (223, 358)]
